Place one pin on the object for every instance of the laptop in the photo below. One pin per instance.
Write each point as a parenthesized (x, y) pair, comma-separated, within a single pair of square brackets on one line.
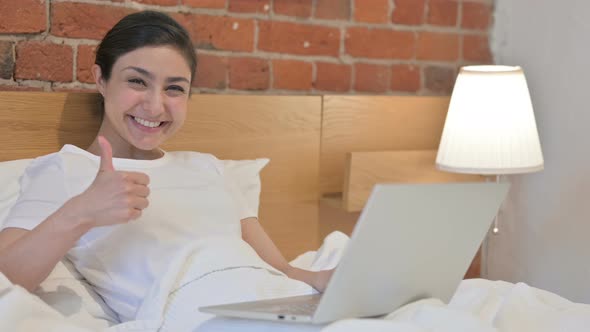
[(412, 241)]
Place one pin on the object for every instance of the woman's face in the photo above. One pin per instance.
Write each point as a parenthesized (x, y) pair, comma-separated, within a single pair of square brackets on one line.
[(146, 96)]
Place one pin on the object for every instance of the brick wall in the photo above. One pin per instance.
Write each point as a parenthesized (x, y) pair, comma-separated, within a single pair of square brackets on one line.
[(261, 46)]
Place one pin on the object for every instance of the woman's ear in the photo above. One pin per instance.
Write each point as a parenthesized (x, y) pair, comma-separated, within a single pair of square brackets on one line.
[(98, 78)]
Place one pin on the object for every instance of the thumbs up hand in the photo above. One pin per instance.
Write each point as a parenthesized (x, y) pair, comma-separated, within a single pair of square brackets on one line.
[(114, 197)]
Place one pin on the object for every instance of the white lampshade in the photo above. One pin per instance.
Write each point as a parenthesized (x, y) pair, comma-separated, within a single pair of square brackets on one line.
[(490, 126)]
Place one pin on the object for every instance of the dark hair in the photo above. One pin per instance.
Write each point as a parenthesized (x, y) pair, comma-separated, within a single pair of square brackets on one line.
[(146, 28)]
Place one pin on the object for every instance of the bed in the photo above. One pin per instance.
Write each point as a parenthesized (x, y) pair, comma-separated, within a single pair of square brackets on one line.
[(314, 185)]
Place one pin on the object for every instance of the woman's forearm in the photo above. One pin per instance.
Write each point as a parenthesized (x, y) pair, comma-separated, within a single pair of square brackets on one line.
[(254, 234), (306, 276), (29, 258)]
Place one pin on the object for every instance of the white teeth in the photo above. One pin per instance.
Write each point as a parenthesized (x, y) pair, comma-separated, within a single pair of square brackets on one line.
[(146, 123)]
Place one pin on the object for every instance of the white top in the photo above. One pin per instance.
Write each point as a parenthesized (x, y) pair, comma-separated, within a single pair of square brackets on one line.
[(189, 199)]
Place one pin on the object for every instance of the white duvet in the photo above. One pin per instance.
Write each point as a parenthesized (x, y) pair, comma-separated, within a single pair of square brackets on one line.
[(207, 274)]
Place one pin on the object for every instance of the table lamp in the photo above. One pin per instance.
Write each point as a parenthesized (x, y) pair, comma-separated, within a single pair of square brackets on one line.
[(490, 127)]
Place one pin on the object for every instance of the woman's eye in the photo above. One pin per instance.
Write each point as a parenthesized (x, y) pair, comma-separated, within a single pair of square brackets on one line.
[(176, 88), (137, 81)]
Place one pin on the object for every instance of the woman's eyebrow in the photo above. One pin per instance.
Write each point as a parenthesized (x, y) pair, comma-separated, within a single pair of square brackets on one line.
[(151, 76), (177, 79), (141, 71)]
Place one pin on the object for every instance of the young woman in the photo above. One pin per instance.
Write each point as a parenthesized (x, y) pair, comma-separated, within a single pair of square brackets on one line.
[(92, 205)]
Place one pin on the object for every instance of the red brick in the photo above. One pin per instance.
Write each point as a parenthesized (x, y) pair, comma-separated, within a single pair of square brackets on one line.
[(211, 72), (439, 79), (82, 20), (212, 4), (291, 75), (477, 49), (371, 11), (296, 38), (44, 61), (333, 77), (380, 43), (23, 16), (249, 6), (19, 88), (408, 12), (6, 59), (299, 8), (221, 32), (333, 9), (405, 78), (476, 16), (158, 2), (249, 74), (438, 46), (443, 12), (371, 78), (84, 62)]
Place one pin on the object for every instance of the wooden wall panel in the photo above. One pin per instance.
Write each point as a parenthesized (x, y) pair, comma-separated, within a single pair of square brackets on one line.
[(376, 123)]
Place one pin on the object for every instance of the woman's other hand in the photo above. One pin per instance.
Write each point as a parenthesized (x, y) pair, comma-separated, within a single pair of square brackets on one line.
[(114, 197), (316, 279), (321, 279)]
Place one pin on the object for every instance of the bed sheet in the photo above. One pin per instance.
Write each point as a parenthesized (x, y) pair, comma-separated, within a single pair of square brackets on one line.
[(478, 305), (17, 306)]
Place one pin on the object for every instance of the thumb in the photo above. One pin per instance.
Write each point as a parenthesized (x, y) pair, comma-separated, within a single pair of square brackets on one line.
[(106, 155)]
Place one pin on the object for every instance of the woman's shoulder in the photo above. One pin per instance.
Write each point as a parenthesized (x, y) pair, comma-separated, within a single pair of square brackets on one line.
[(45, 163), (43, 171), (53, 162)]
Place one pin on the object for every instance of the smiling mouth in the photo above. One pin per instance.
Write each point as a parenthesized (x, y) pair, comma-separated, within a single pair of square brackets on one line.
[(146, 123)]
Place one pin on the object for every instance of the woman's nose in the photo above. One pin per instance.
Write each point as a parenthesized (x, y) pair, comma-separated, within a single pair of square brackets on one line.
[(154, 103)]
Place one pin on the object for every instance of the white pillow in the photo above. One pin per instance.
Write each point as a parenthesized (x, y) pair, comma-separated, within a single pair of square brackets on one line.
[(246, 175)]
